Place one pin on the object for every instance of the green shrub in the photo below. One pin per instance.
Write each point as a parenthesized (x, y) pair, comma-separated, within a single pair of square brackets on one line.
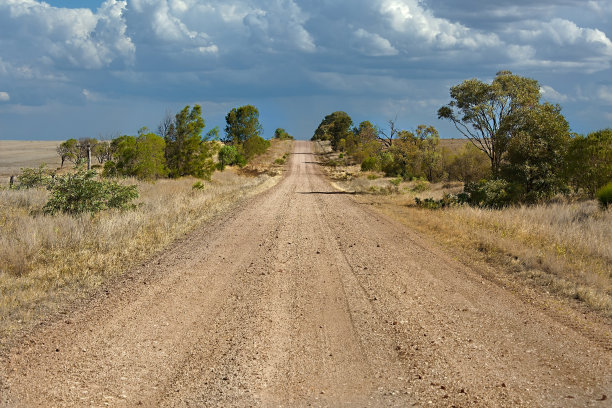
[(429, 203), (80, 193), (33, 178), (228, 156), (490, 193), (198, 185), (604, 195), (370, 164), (254, 145), (389, 166), (280, 161), (420, 186), (396, 181)]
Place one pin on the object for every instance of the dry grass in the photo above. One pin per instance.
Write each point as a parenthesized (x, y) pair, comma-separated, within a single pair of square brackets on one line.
[(562, 248), (46, 261)]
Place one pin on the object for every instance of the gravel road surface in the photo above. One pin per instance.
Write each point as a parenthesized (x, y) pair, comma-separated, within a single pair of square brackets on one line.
[(304, 297)]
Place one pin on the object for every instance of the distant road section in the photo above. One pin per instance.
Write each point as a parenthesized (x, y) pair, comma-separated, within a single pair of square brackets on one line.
[(303, 297)]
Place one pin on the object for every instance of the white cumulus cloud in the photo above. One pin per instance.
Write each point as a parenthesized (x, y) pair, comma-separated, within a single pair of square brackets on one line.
[(4, 97), (411, 17), (550, 94), (79, 37), (372, 44)]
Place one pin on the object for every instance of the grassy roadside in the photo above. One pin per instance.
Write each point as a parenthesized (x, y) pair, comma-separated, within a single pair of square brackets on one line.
[(45, 262), (560, 248)]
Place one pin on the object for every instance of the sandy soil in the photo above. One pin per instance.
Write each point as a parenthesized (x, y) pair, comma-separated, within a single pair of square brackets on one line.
[(304, 297)]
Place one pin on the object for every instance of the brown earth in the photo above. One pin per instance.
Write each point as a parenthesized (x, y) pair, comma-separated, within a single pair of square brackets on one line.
[(304, 297)]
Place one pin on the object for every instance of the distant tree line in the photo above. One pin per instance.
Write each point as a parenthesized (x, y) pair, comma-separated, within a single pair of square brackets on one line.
[(179, 148), (520, 150)]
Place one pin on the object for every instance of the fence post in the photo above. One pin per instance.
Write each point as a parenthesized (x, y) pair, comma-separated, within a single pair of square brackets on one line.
[(88, 156), (11, 181)]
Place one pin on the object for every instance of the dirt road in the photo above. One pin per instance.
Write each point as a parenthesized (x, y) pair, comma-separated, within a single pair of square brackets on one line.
[(303, 297)]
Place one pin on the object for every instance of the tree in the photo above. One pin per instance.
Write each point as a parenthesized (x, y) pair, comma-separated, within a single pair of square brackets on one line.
[(387, 137), (84, 142), (282, 134), (241, 124), (431, 157), (536, 154), (187, 152), (335, 128), (490, 114), (68, 150), (228, 156), (590, 161), (102, 151)]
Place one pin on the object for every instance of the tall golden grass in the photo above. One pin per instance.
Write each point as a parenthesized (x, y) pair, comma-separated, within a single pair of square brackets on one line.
[(43, 256), (561, 248)]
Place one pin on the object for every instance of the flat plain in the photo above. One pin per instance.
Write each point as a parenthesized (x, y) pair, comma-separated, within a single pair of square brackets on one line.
[(17, 154)]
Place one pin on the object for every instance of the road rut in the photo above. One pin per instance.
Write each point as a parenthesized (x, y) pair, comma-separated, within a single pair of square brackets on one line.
[(303, 297)]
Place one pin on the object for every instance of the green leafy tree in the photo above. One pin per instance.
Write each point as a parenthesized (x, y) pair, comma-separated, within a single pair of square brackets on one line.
[(187, 152), (403, 157), (228, 156), (241, 124), (282, 134), (490, 114), (141, 156), (590, 161), (536, 155), (68, 150), (335, 127), (363, 143), (81, 193), (431, 157), (102, 151)]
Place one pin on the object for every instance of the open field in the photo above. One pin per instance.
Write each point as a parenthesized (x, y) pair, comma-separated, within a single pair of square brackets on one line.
[(16, 154), (46, 261), (305, 296)]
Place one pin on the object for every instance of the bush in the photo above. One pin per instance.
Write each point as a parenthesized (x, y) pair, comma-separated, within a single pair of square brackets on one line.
[(604, 195), (198, 185), (420, 186), (228, 156), (429, 203), (370, 164), (255, 145), (80, 193), (492, 193), (389, 166), (33, 178)]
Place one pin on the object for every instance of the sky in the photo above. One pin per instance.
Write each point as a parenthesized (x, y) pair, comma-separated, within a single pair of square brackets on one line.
[(94, 68)]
